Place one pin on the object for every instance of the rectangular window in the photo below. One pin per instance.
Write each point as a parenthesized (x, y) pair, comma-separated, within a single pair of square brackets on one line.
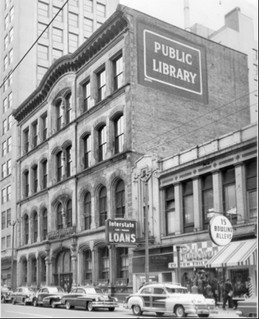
[(87, 95), (35, 178), (57, 36), (68, 161), (73, 19), (251, 187), (170, 210), (56, 53), (9, 144), (11, 35), (101, 84), (59, 166), (4, 170), (4, 148), (118, 72), (3, 225), (9, 122), (72, 42), (6, 22), (8, 193), (11, 13), (8, 241), (59, 115), (26, 184), (8, 167), (4, 195), (43, 9), (35, 134), (43, 52), (8, 220), (5, 84), (207, 198), (44, 128), (101, 10), (4, 126), (3, 243), (5, 42), (41, 70), (10, 78), (229, 191), (26, 140), (88, 27), (88, 6), (10, 100), (188, 213), (59, 17), (10, 57), (42, 27), (5, 105), (87, 151), (44, 174)]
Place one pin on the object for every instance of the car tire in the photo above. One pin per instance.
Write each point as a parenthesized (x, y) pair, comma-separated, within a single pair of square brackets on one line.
[(159, 314), (179, 312), (13, 301), (52, 305), (136, 310), (68, 306), (35, 303), (111, 309), (90, 306)]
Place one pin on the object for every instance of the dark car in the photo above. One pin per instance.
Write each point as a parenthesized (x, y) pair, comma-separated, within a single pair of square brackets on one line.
[(48, 296), (23, 295), (90, 298), (247, 308), (5, 294)]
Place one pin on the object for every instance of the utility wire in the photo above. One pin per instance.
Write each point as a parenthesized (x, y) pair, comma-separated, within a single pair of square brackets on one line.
[(28, 51)]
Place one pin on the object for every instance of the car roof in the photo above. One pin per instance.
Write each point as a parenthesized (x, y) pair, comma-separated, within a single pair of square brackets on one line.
[(169, 285)]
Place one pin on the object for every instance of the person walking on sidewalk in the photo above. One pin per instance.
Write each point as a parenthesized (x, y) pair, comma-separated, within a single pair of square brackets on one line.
[(227, 294)]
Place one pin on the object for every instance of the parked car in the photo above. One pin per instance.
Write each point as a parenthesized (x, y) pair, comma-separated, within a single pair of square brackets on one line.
[(48, 296), (169, 298), (90, 298), (5, 294), (23, 295), (247, 308)]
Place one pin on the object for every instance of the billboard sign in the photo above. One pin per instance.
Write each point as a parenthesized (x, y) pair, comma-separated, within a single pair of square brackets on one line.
[(220, 230), (120, 231), (171, 63)]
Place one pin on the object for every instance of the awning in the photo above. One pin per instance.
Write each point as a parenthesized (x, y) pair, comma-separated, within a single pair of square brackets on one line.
[(237, 253)]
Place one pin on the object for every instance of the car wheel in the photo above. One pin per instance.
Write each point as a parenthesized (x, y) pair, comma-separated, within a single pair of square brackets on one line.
[(136, 310), (68, 306), (159, 314), (13, 301), (35, 303), (90, 306), (111, 309), (52, 304), (179, 311)]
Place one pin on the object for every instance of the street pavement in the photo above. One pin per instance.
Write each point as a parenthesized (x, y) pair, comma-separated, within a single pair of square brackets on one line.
[(228, 313)]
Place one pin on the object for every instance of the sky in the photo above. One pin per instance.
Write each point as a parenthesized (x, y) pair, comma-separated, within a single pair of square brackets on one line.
[(210, 13)]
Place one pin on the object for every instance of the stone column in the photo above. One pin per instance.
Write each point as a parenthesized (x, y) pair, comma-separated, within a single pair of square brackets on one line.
[(217, 191), (80, 267), (30, 230), (39, 227), (197, 204), (112, 264), (95, 268), (240, 192), (47, 270), (19, 273), (29, 271)]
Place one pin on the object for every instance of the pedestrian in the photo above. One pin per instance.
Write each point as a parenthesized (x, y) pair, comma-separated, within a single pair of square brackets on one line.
[(227, 294), (194, 288), (239, 291)]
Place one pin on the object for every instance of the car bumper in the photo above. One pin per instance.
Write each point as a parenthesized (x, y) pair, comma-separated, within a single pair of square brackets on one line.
[(28, 300), (102, 304)]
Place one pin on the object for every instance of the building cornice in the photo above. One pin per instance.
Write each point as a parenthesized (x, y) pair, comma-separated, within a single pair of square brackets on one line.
[(114, 26)]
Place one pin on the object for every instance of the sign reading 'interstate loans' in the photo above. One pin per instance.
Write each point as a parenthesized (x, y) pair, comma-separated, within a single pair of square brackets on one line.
[(172, 64), (121, 231)]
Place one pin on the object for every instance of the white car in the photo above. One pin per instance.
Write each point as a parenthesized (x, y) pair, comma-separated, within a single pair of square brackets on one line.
[(169, 298)]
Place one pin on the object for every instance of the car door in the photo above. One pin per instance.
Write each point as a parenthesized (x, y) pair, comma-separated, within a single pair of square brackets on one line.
[(71, 296), (146, 296), (158, 299), (80, 302), (44, 292)]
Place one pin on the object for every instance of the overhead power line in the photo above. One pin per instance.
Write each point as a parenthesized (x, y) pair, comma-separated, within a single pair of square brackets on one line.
[(28, 51)]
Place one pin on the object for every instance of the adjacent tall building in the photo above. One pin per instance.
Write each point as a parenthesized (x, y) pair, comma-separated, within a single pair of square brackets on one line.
[(137, 86), (22, 23)]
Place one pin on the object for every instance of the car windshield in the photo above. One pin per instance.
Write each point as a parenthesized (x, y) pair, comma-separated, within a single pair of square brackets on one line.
[(30, 289), (53, 290), (176, 290), (92, 290)]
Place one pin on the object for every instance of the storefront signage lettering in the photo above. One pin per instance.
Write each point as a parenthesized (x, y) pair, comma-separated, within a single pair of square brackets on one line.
[(171, 63), (61, 233), (120, 231), (221, 230)]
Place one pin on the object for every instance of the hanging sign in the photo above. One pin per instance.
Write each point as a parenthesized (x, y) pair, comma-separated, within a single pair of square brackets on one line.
[(220, 230), (120, 231)]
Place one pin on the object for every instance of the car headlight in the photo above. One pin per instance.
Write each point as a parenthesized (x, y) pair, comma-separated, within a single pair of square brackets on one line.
[(115, 299)]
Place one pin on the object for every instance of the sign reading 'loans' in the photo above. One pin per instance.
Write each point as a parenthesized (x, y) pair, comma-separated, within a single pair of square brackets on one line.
[(171, 63), (121, 231)]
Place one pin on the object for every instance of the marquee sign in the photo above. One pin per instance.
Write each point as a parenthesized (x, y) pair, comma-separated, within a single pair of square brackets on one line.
[(170, 63), (220, 230), (120, 231)]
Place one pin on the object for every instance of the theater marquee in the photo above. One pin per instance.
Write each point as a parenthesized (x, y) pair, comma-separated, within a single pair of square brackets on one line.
[(168, 62)]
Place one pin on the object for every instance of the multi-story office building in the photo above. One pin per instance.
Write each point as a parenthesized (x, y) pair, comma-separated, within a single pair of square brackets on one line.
[(22, 25), (217, 177), (238, 33), (137, 86)]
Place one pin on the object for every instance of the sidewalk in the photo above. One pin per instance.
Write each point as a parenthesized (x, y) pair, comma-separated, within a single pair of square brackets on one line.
[(228, 313)]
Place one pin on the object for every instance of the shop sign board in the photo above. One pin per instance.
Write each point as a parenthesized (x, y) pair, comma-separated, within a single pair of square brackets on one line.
[(171, 63), (220, 230), (120, 231)]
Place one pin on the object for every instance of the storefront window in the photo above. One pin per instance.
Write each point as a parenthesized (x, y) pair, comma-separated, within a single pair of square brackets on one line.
[(188, 213), (170, 210), (229, 192), (251, 187), (207, 198)]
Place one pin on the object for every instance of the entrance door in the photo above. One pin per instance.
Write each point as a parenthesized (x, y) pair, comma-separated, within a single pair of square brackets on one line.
[(66, 281)]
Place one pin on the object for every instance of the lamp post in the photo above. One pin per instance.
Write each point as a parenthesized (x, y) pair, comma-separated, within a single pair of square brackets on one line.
[(12, 224)]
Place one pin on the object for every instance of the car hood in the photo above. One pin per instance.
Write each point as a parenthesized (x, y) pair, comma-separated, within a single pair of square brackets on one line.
[(59, 294)]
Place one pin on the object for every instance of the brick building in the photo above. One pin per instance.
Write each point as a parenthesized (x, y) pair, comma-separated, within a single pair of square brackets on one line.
[(136, 86)]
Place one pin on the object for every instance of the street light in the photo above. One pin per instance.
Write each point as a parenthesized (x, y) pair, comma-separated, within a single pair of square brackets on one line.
[(12, 224)]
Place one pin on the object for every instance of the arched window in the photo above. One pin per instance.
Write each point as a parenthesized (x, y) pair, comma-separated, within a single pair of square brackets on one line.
[(59, 115), (68, 108), (68, 159), (87, 151), (104, 264), (120, 199), (102, 206), (59, 165), (119, 134), (35, 227), (59, 217), (26, 229), (44, 174), (69, 213), (44, 224), (102, 142), (34, 179), (88, 265), (26, 183), (87, 211)]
